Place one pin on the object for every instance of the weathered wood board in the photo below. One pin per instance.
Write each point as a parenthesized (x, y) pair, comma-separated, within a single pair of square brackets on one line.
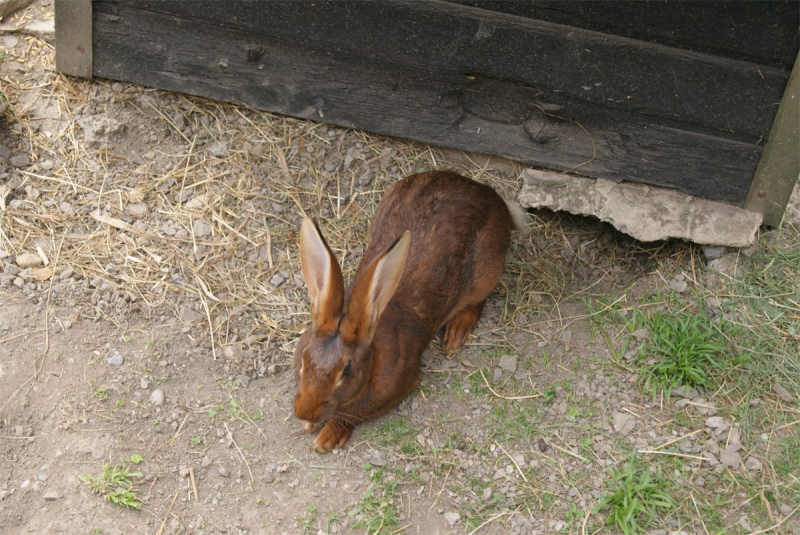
[(669, 108)]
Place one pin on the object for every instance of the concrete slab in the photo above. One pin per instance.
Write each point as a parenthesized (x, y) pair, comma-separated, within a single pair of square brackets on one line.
[(645, 212)]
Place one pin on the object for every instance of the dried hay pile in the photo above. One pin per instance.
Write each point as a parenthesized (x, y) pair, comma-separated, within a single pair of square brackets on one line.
[(152, 200)]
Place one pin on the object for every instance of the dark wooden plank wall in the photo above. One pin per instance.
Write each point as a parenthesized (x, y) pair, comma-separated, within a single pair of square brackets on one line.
[(461, 76), (750, 30)]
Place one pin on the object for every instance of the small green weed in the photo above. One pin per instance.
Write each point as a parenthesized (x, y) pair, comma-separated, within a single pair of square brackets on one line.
[(98, 392), (309, 519), (682, 350), (377, 510), (116, 483), (216, 409), (237, 411), (634, 498)]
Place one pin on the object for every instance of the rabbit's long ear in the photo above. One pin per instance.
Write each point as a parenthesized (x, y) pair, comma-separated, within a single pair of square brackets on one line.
[(373, 290), (323, 277)]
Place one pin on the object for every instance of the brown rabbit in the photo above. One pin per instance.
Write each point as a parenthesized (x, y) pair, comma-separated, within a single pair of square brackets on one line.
[(361, 355)]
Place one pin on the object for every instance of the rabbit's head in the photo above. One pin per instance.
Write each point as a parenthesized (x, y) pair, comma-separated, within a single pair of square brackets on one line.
[(333, 360)]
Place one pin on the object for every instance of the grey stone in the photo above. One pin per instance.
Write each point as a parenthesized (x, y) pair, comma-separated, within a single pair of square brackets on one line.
[(641, 334), (734, 440), (716, 422), (730, 458), (452, 517), (783, 393), (29, 260), (753, 464), (679, 286), (10, 41), (223, 471), (157, 397), (98, 131), (138, 209), (712, 252), (51, 496), (508, 363), (217, 149), (566, 336), (785, 509), (244, 380), (751, 250), (115, 360), (19, 160), (201, 229), (197, 202), (684, 392), (623, 423), (497, 374), (66, 209), (187, 315)]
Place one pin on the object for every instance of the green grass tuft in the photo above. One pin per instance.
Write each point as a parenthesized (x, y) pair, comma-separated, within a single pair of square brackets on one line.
[(682, 350), (117, 484), (635, 498)]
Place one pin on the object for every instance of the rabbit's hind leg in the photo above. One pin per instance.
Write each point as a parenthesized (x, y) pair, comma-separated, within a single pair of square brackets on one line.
[(458, 328)]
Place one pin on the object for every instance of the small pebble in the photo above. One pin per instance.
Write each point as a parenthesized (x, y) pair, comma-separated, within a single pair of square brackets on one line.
[(116, 360), (29, 260), (452, 517), (217, 149), (157, 397), (508, 363)]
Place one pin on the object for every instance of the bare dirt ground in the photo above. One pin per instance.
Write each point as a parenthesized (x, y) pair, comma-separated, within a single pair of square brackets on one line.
[(150, 300)]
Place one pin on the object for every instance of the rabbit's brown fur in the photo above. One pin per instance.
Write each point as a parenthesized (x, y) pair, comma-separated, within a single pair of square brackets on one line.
[(436, 250)]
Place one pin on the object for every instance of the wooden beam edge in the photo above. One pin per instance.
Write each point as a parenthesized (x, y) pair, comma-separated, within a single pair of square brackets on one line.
[(73, 21), (779, 168)]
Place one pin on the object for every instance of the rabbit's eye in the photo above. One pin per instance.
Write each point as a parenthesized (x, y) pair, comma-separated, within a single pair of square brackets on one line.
[(346, 369)]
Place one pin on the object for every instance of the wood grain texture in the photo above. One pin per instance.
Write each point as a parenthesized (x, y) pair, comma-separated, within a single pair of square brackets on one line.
[(763, 31), (731, 96), (537, 125)]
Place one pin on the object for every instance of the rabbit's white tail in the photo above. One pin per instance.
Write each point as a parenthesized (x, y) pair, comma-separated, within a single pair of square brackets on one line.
[(519, 218)]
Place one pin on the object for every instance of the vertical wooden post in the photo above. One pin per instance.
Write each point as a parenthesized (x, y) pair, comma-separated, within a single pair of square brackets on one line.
[(779, 168), (74, 37)]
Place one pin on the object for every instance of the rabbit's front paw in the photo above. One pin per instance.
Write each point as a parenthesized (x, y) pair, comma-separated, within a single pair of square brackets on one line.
[(334, 435)]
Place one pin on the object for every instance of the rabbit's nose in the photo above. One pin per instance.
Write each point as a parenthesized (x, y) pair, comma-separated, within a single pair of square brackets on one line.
[(306, 409)]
